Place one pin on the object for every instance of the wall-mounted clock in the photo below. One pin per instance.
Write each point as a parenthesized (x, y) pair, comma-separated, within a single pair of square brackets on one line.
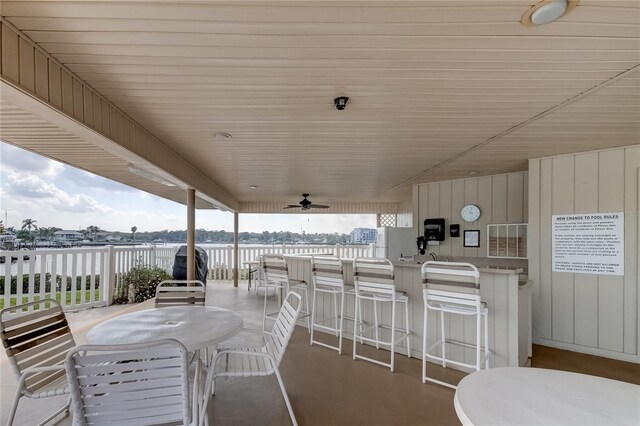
[(470, 213)]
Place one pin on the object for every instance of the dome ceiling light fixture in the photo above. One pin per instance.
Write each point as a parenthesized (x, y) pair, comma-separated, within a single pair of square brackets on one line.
[(547, 11)]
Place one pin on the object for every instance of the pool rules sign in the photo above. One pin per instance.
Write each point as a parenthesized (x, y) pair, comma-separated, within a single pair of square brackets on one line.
[(589, 243)]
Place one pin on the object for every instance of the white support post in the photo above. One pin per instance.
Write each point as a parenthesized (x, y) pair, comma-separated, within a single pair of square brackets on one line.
[(110, 275), (152, 256), (236, 267), (372, 250), (338, 252)]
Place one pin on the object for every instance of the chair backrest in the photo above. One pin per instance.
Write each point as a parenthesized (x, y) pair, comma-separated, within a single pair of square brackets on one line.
[(278, 339), (39, 338), (275, 269), (327, 271), (451, 282), (136, 384), (373, 276), (180, 293)]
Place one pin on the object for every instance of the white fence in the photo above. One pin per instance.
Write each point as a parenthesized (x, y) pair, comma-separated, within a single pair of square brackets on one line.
[(88, 277)]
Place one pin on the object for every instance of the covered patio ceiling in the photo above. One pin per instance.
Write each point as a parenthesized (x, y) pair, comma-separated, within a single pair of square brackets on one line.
[(438, 90)]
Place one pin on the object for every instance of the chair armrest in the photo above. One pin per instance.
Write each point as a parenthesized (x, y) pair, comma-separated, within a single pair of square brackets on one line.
[(34, 370)]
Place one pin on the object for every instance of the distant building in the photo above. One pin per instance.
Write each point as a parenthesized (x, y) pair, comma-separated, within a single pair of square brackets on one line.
[(363, 236), (8, 240), (67, 238)]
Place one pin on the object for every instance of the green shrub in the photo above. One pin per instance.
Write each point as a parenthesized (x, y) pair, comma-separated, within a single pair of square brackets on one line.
[(47, 283), (139, 284)]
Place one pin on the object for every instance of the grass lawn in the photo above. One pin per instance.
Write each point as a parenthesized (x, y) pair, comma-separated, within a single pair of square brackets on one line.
[(87, 297)]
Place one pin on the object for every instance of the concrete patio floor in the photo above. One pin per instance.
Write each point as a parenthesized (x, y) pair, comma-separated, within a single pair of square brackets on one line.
[(324, 388)]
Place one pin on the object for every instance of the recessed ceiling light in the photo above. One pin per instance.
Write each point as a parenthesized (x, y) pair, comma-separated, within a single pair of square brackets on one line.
[(473, 172), (547, 11), (220, 136), (253, 187)]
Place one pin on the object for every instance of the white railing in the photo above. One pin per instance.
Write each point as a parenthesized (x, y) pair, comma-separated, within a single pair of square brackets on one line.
[(76, 277), (88, 277), (221, 258)]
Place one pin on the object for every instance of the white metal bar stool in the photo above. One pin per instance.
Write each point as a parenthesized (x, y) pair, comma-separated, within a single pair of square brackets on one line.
[(374, 281), (276, 275), (453, 288), (328, 279)]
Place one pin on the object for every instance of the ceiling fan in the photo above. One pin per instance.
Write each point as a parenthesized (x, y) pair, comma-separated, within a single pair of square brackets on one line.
[(306, 204)]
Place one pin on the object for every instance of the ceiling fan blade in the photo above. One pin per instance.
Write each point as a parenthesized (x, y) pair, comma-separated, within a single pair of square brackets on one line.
[(318, 206), (292, 206)]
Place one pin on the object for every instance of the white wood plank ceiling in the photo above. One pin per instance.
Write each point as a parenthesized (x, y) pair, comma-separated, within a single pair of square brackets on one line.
[(436, 87)]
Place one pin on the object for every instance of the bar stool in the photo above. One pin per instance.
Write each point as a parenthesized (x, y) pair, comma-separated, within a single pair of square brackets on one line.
[(374, 281), (328, 278), (453, 288), (276, 276)]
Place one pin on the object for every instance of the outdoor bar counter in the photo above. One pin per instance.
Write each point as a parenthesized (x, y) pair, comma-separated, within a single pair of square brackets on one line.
[(507, 296)]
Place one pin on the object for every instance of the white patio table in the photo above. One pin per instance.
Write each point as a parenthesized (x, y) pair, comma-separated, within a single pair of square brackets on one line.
[(196, 327), (536, 396)]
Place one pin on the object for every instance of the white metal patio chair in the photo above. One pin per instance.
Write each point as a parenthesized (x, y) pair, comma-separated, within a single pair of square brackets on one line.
[(263, 360), (453, 288), (328, 279), (134, 384), (276, 275), (374, 282), (180, 293), (36, 344)]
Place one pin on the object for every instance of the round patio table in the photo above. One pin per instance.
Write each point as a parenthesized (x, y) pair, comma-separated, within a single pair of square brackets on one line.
[(536, 396), (196, 327)]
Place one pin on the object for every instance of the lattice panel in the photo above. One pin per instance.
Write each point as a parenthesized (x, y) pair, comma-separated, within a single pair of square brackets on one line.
[(386, 220)]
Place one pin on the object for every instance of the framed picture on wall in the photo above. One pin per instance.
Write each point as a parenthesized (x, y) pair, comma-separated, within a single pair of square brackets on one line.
[(472, 238)]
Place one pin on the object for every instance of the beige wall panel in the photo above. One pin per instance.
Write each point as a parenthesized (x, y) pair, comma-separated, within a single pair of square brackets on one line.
[(126, 140), (67, 92), (55, 84), (545, 248), (97, 113), (562, 282), (631, 242), (120, 127), (106, 128), (485, 196), (605, 307), (533, 249), (42, 75), (424, 204), (499, 199), (27, 66), (78, 100), (87, 102), (445, 247), (515, 198), (10, 54), (446, 198), (457, 202), (611, 288), (113, 123), (471, 197), (415, 201), (586, 285)]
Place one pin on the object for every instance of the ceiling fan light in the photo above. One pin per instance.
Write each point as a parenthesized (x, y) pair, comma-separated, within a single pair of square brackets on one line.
[(549, 12)]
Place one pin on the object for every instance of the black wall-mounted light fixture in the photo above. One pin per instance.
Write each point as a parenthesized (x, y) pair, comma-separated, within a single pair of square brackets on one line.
[(340, 102)]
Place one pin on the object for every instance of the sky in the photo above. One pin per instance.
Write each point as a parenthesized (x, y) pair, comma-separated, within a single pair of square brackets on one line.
[(55, 194)]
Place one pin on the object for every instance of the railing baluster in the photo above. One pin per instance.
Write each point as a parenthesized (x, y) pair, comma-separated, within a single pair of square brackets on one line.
[(32, 279), (63, 285), (54, 272), (19, 279), (83, 278), (74, 277)]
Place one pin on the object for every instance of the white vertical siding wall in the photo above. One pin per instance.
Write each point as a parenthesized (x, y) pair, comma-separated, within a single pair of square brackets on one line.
[(502, 199), (589, 313)]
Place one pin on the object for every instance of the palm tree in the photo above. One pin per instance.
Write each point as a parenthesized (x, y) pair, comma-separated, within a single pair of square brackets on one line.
[(29, 224), (134, 229), (1, 227), (92, 231)]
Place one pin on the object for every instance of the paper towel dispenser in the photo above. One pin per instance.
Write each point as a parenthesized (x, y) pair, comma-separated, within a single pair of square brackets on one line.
[(434, 229)]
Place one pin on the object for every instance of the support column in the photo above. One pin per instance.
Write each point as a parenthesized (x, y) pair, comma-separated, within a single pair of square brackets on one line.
[(236, 257), (191, 234)]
